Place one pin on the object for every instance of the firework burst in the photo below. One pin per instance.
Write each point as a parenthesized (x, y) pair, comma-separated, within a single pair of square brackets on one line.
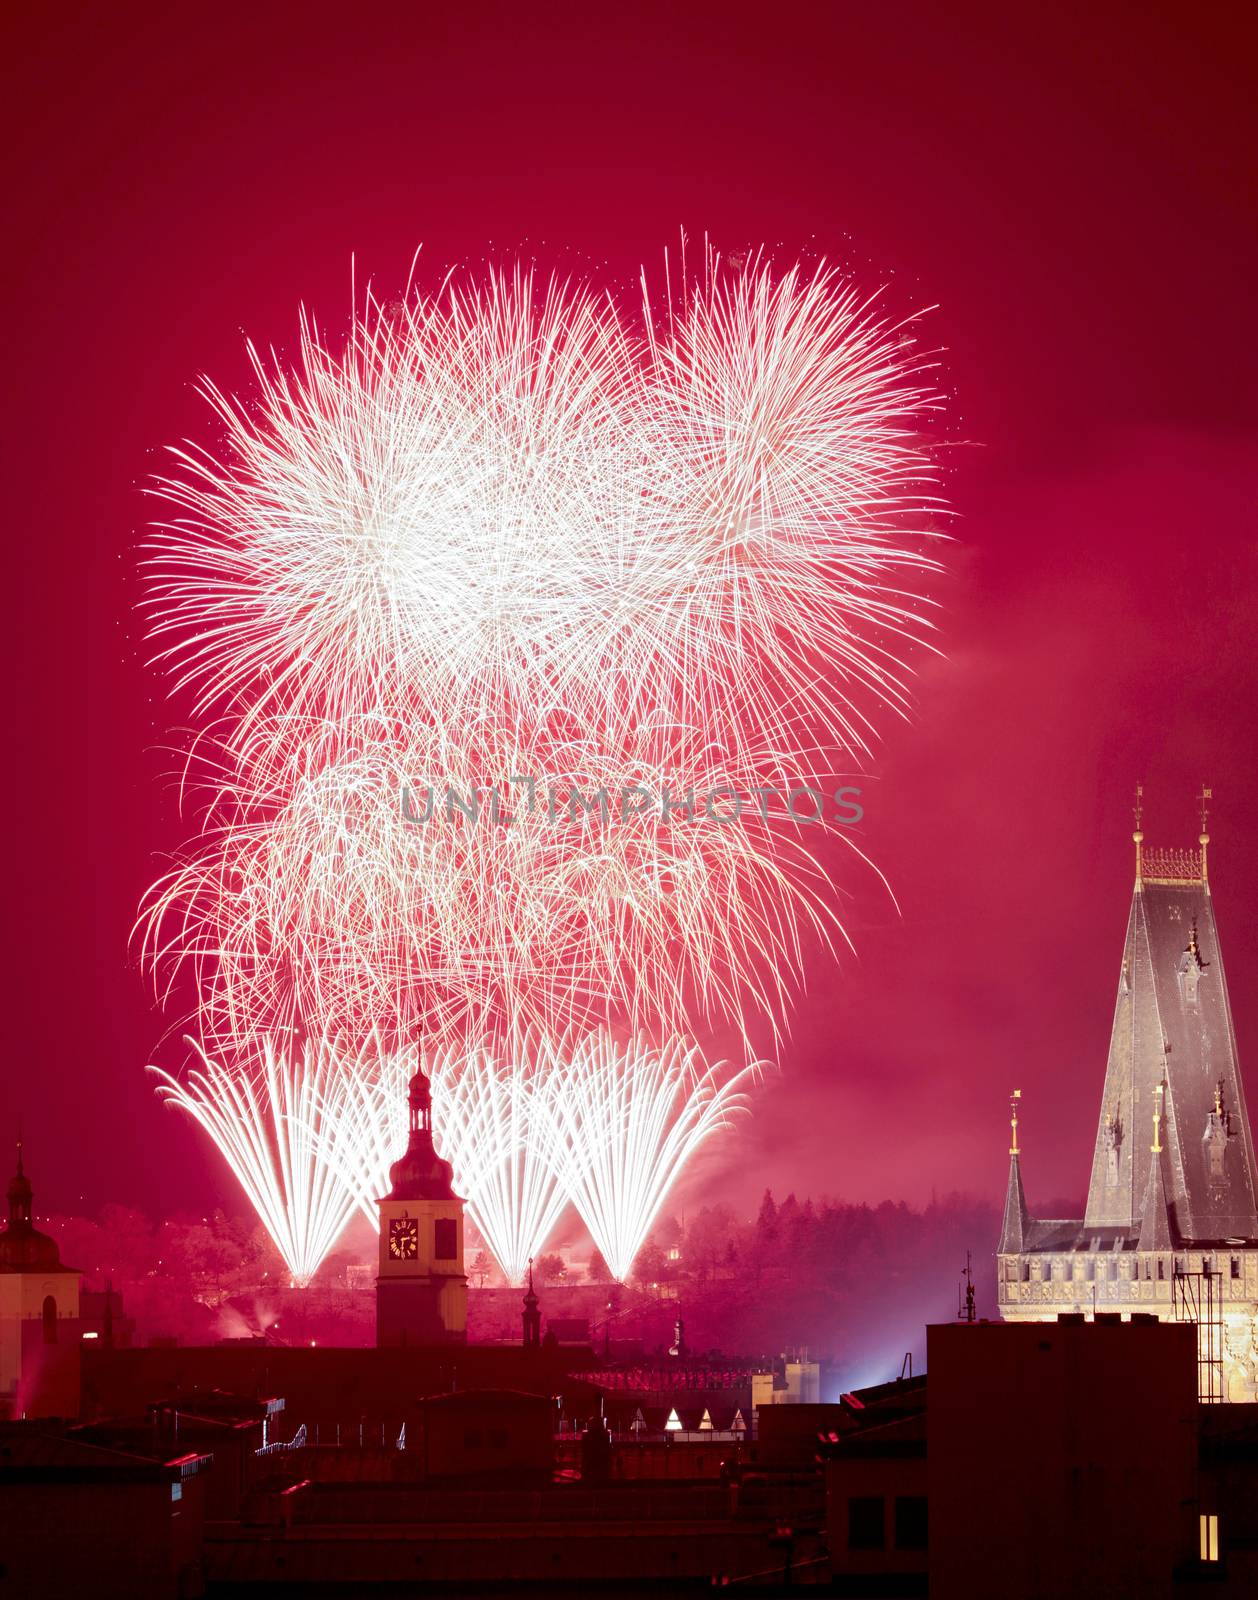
[(279, 1132), (627, 1118), (509, 534)]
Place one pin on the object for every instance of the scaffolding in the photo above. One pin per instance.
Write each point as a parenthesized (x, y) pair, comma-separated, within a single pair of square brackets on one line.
[(1199, 1299)]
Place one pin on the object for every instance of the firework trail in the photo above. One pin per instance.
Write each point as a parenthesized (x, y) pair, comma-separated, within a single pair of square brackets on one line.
[(274, 1130), (627, 1118), (336, 906)]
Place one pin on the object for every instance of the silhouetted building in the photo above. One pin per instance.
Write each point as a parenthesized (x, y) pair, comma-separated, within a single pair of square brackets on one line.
[(500, 1434), (1171, 1225), (40, 1332), (874, 1447), (1061, 1459), (85, 1518), (421, 1290)]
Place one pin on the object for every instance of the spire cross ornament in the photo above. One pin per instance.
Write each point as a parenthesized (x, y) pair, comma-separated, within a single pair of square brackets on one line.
[(1137, 812), (1156, 1147), (1013, 1121), (1203, 838)]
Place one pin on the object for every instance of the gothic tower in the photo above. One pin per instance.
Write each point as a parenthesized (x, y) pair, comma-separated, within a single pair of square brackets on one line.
[(421, 1290), (1171, 1225), (1172, 1042)]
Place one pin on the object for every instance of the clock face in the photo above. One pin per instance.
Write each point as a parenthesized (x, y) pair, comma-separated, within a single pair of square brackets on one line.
[(404, 1238)]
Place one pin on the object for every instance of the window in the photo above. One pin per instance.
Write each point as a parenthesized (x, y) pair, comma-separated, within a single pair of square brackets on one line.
[(50, 1320), (1236, 1266), (1161, 1269), (910, 1522), (496, 1438), (472, 1439), (865, 1523), (1209, 1537), (446, 1239)]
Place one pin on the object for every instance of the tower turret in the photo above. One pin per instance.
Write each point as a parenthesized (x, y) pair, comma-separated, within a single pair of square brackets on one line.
[(421, 1290), (1015, 1229), (532, 1316), (40, 1330)]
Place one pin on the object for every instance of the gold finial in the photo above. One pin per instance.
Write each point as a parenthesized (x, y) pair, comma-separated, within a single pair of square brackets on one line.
[(1218, 1098), (1013, 1121), (1137, 812), (1156, 1146), (1203, 838)]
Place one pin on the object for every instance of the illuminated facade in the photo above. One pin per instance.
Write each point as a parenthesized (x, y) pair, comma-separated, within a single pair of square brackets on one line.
[(421, 1290), (40, 1328), (1171, 1227)]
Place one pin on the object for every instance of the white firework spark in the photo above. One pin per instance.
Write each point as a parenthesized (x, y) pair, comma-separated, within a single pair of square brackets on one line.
[(506, 500), (276, 1130), (627, 1119), (511, 531), (336, 907)]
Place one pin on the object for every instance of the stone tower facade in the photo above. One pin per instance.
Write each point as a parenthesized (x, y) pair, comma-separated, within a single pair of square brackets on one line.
[(1171, 1225), (421, 1289), (40, 1330)]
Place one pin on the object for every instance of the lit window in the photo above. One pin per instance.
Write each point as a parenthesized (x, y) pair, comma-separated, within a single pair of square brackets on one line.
[(673, 1425), (1209, 1537)]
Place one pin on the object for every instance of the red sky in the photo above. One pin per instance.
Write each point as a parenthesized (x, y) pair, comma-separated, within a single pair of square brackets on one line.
[(1074, 187)]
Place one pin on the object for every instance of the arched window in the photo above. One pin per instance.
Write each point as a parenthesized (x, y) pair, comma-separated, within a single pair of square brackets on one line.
[(50, 1320)]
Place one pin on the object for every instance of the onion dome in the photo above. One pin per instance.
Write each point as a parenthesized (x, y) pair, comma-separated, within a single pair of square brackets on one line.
[(420, 1173), (23, 1248)]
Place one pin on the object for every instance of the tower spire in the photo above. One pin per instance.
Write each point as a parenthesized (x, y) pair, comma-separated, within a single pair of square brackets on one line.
[(1015, 1229), (1155, 1217), (532, 1317)]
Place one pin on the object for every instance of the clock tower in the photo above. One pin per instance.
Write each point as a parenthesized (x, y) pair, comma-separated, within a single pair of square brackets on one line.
[(421, 1290)]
